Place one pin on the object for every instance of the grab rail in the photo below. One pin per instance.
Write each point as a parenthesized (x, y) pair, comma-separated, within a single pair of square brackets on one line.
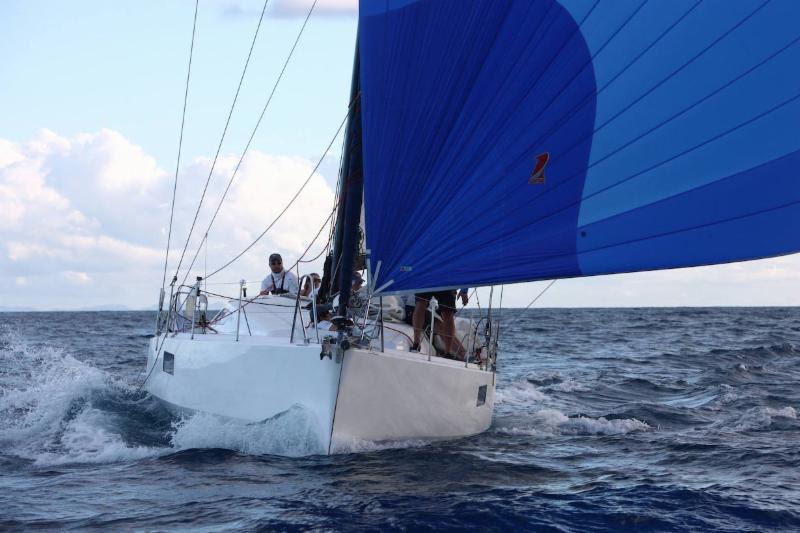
[(297, 310)]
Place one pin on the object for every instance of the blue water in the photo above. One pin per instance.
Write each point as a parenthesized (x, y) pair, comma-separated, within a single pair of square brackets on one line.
[(634, 419)]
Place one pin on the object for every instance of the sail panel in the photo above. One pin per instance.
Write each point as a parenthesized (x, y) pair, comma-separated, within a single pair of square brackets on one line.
[(514, 140)]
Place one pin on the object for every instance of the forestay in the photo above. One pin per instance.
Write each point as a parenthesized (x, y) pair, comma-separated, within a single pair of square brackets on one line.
[(507, 141)]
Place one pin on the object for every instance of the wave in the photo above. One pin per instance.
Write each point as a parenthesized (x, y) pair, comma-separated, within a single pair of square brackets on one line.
[(757, 418), (293, 433), (568, 385), (46, 411), (88, 439), (550, 422), (766, 351), (57, 410), (520, 392), (362, 446)]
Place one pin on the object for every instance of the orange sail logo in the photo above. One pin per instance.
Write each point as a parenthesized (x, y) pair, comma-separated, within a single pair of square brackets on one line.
[(537, 176)]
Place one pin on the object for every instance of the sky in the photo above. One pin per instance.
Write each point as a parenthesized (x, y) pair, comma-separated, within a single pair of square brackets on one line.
[(91, 94)]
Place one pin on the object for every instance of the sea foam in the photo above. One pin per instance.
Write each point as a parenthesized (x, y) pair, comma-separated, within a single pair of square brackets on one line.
[(550, 422), (294, 433), (46, 412)]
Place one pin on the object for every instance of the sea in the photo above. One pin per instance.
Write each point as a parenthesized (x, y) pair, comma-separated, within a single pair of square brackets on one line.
[(655, 419)]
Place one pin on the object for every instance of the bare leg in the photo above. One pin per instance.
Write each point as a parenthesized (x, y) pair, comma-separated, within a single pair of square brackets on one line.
[(418, 319), (452, 344)]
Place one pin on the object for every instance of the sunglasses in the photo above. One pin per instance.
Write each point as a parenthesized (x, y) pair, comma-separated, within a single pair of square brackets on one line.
[(276, 262)]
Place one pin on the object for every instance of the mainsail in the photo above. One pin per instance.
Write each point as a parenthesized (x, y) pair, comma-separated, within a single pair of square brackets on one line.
[(508, 141)]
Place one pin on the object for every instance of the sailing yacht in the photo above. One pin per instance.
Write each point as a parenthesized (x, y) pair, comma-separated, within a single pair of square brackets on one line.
[(497, 142)]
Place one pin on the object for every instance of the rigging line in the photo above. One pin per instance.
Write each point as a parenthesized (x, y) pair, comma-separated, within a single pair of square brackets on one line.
[(327, 246), (222, 138), (180, 145), (155, 362), (319, 232), (500, 309), (175, 188), (325, 249), (535, 299), (294, 198), (255, 129)]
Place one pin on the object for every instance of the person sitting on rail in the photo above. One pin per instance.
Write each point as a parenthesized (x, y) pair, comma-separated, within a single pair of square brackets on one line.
[(311, 286), (279, 281)]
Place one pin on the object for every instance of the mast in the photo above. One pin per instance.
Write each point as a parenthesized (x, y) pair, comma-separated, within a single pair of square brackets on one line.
[(350, 197), (332, 268)]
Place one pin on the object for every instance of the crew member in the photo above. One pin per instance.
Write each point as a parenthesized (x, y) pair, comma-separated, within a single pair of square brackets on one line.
[(279, 281)]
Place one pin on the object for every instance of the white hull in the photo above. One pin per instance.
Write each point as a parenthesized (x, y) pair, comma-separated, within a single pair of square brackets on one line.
[(368, 396)]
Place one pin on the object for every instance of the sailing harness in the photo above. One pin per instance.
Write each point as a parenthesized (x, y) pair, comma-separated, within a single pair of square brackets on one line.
[(275, 289)]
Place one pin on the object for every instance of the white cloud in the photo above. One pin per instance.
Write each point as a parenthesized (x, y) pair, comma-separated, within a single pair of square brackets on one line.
[(291, 8), (85, 218), (84, 222), (324, 7), (770, 282), (9, 153), (77, 278)]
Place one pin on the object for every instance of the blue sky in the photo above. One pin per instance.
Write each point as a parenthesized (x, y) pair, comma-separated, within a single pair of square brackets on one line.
[(74, 67), (90, 102)]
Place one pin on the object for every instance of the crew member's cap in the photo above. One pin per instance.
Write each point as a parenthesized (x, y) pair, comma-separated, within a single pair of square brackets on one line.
[(275, 257), (357, 277)]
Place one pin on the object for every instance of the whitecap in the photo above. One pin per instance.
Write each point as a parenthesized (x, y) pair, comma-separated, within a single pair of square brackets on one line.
[(548, 422), (759, 418), (520, 392), (569, 385), (45, 407), (39, 387), (87, 439)]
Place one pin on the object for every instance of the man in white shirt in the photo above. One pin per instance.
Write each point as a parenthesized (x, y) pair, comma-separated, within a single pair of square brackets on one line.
[(279, 281)]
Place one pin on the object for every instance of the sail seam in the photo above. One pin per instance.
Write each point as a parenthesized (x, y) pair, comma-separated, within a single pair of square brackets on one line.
[(649, 91), (511, 231)]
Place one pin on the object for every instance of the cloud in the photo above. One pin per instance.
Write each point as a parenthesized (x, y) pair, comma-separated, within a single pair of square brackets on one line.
[(767, 282), (77, 278), (291, 8), (85, 218), (296, 8), (84, 222)]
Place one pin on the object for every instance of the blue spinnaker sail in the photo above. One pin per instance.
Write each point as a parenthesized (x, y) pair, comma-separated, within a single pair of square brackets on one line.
[(508, 141)]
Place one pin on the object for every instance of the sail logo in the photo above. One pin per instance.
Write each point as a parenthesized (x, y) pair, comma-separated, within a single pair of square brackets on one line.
[(537, 176)]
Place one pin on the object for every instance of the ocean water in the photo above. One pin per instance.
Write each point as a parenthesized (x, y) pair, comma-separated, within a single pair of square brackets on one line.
[(607, 419)]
